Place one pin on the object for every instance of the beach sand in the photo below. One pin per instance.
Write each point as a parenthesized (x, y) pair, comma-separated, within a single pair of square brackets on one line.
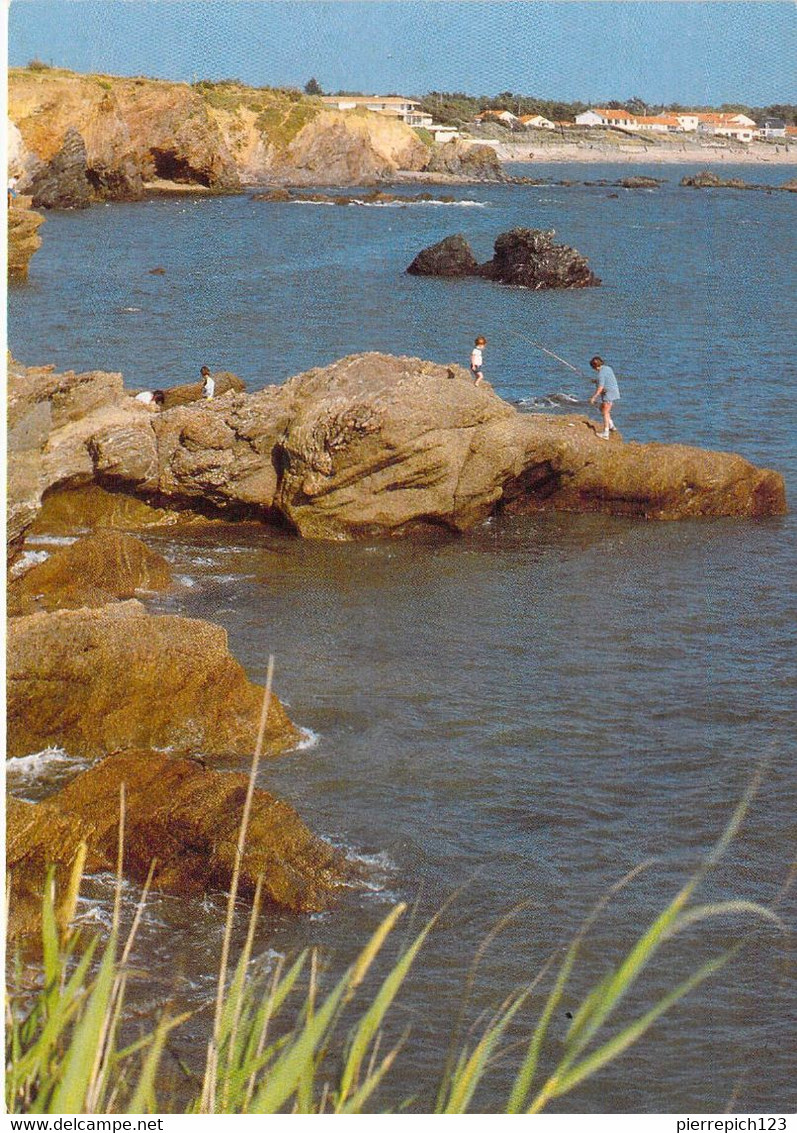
[(677, 153)]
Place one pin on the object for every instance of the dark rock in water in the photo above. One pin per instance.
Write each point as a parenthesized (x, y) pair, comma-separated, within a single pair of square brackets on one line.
[(524, 257), (157, 271), (64, 182), (706, 179), (613, 197), (640, 182), (790, 186), (528, 257), (451, 257), (277, 195)]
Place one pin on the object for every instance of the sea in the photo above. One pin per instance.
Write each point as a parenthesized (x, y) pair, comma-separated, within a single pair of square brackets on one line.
[(500, 726)]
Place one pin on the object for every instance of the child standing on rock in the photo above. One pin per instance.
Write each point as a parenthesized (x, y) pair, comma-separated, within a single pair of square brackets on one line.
[(477, 360)]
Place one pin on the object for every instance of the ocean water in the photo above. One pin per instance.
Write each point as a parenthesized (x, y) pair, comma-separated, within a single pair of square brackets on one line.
[(514, 719)]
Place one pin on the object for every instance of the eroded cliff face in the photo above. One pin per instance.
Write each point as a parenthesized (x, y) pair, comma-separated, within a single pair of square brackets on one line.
[(114, 137)]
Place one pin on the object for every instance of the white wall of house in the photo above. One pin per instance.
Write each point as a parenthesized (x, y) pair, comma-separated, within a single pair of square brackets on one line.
[(589, 118)]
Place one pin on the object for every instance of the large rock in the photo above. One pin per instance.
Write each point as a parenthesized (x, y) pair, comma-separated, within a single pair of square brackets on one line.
[(451, 257), (459, 158), (95, 681), (225, 382), (372, 445), (524, 257), (528, 257), (64, 181), (179, 814), (90, 572), (23, 237)]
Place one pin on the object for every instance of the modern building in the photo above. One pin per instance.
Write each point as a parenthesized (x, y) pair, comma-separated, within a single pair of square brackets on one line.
[(394, 106), (736, 126), (504, 116), (600, 116)]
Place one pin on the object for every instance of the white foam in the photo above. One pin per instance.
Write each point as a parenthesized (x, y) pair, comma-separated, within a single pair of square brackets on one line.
[(186, 580), (309, 738), (31, 767), (51, 540), (26, 561)]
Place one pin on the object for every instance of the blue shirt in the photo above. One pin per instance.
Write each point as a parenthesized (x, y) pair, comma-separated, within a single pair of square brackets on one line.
[(606, 378)]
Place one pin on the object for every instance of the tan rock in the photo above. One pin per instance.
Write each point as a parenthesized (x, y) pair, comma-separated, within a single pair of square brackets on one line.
[(103, 680), (23, 237), (180, 814), (73, 511), (90, 572)]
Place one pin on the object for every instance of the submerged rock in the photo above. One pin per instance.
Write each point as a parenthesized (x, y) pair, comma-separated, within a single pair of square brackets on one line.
[(90, 572), (96, 681), (183, 816)]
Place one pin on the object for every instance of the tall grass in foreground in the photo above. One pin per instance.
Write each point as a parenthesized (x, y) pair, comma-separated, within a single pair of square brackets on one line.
[(285, 1045)]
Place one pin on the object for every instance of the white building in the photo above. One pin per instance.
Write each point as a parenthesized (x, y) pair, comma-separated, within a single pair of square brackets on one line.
[(537, 122), (394, 106), (599, 116), (772, 128)]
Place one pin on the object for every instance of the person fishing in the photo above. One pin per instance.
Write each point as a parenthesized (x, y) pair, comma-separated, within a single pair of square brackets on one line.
[(608, 391)]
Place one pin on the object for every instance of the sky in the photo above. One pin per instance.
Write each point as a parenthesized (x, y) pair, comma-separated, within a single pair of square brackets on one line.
[(703, 53)]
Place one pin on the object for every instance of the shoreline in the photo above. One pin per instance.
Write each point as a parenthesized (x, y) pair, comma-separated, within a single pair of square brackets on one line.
[(589, 153)]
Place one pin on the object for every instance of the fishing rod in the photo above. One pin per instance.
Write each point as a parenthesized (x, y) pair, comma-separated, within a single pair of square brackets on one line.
[(545, 350)]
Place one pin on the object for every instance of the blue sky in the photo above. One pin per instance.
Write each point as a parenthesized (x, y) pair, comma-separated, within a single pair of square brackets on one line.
[(698, 53)]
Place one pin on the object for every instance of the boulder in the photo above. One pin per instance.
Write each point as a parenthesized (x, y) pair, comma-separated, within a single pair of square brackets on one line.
[(458, 158), (185, 818), (451, 257), (185, 394), (23, 237), (74, 511), (528, 257), (90, 572), (524, 257), (63, 182), (96, 681)]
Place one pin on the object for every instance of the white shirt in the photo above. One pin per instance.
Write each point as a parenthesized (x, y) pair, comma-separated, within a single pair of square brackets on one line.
[(476, 358), (146, 396), (208, 387)]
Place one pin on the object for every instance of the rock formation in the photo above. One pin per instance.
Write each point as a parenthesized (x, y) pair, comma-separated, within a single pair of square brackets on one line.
[(63, 182), (371, 445), (708, 179), (458, 158), (451, 257), (184, 816), (524, 257), (91, 572), (97, 681), (23, 237)]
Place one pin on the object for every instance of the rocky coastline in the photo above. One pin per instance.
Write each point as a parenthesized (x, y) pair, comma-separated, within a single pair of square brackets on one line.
[(371, 446)]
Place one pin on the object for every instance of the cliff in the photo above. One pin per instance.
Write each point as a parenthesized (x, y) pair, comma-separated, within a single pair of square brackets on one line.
[(115, 137)]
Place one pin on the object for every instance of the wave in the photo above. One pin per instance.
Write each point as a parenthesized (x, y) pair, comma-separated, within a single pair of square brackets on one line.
[(309, 739), (550, 401), (28, 768)]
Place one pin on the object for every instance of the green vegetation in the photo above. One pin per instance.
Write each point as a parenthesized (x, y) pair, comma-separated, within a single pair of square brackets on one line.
[(424, 135), (38, 65), (284, 1045), (457, 108)]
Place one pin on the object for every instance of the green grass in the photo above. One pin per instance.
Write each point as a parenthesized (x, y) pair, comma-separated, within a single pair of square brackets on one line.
[(285, 1044)]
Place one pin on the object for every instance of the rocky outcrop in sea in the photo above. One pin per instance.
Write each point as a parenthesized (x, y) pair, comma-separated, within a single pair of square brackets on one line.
[(524, 257), (371, 445)]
